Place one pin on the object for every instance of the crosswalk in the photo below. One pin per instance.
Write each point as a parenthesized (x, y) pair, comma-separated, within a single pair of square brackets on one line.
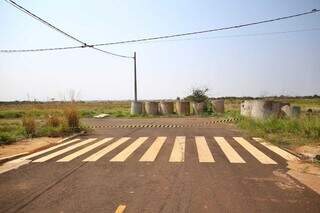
[(93, 149)]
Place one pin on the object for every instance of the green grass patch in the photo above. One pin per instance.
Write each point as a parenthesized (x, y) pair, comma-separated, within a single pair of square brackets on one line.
[(11, 132), (286, 131)]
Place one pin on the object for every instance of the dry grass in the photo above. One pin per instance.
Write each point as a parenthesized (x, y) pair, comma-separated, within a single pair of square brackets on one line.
[(29, 124), (72, 117), (53, 121)]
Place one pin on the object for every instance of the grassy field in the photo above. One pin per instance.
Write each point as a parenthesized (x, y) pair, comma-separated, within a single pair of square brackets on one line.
[(282, 131), (42, 110)]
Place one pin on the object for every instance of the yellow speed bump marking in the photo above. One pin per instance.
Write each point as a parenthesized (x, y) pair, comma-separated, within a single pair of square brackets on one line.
[(154, 149), (84, 150), (177, 154), (120, 209), (204, 153), (122, 156), (284, 154), (254, 151), (231, 154)]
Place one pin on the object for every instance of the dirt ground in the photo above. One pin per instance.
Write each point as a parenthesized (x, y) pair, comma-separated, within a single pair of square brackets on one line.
[(28, 145)]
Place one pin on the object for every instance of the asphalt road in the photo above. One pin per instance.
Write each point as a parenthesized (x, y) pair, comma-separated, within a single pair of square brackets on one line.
[(134, 170)]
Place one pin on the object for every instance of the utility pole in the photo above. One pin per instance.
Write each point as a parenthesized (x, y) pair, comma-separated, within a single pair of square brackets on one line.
[(135, 76)]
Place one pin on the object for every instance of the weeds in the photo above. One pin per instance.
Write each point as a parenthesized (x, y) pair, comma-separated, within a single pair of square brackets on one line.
[(72, 117), (53, 121), (284, 131), (29, 124), (11, 132)]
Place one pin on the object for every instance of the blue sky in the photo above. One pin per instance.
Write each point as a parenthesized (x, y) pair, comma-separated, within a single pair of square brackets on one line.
[(229, 66)]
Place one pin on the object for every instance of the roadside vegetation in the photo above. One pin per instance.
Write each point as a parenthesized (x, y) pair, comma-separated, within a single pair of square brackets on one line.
[(20, 120), (284, 131), (29, 125)]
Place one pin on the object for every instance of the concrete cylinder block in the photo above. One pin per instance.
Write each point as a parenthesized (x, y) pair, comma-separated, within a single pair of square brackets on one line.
[(218, 105), (291, 111), (166, 107), (136, 108), (276, 109), (246, 108), (183, 108), (198, 108), (151, 108), (261, 109), (295, 111)]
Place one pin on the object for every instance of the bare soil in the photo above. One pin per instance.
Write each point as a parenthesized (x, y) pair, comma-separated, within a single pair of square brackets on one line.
[(27, 145)]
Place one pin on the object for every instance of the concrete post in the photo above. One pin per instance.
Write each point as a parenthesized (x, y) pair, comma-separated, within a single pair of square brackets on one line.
[(151, 108), (166, 107), (261, 109), (136, 108), (218, 105), (246, 108), (198, 108), (183, 108)]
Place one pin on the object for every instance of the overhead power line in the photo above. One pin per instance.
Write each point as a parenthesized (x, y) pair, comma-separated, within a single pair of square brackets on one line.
[(238, 35), (208, 31), (150, 39), (43, 21), (171, 40), (84, 44), (40, 49)]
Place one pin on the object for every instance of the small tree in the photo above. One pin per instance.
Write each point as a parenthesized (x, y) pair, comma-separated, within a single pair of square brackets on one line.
[(198, 95)]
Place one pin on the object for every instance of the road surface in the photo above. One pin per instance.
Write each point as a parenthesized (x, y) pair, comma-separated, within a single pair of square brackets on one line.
[(212, 168)]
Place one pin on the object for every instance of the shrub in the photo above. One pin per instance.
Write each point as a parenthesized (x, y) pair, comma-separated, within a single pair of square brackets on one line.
[(29, 124), (198, 95), (10, 132), (72, 117), (53, 121)]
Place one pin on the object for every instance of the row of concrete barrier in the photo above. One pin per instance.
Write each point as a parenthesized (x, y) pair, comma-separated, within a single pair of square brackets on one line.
[(170, 107)]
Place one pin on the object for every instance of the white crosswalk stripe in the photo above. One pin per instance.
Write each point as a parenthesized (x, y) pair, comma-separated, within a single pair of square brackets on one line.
[(204, 153), (154, 149), (60, 152), (284, 154), (106, 150), (49, 149), (122, 156), (230, 153), (254, 151), (177, 154), (84, 150)]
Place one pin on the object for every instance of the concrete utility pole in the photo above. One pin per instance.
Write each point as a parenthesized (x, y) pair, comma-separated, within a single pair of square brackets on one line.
[(135, 76), (136, 107)]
